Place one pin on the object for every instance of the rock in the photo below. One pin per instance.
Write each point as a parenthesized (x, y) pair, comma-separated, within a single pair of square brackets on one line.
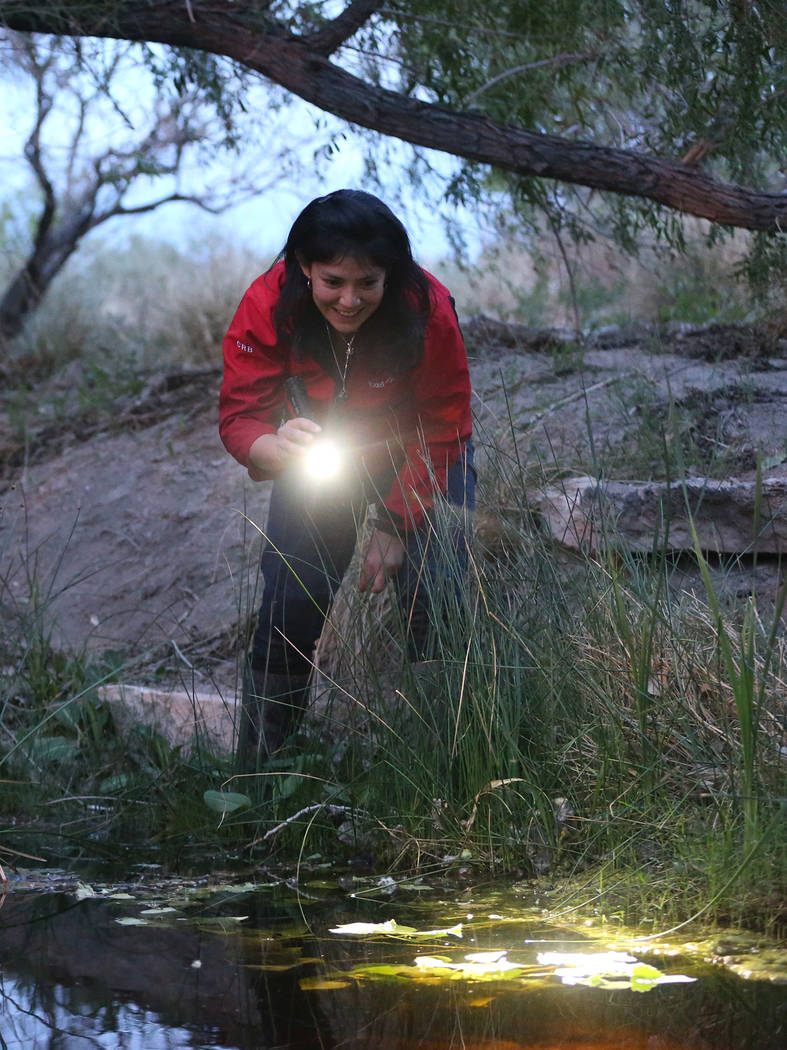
[(188, 718), (729, 516)]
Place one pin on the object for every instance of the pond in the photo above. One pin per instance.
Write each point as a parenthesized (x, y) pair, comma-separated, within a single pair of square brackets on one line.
[(275, 967)]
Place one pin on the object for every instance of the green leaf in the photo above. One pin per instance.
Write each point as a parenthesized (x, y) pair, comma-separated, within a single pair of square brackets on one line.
[(53, 749), (226, 801)]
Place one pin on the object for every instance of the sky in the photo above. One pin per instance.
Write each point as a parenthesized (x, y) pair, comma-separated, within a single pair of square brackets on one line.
[(260, 223)]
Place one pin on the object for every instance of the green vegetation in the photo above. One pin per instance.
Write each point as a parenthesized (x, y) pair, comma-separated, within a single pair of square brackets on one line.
[(584, 719)]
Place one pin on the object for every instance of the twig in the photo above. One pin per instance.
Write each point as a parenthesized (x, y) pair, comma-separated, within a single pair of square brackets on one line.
[(187, 662), (556, 62), (568, 399), (333, 810)]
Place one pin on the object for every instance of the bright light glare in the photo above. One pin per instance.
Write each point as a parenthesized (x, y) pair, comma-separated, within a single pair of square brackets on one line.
[(322, 461)]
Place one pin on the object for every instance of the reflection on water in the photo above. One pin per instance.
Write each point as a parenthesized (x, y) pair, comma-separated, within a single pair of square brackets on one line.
[(251, 970), (44, 1018)]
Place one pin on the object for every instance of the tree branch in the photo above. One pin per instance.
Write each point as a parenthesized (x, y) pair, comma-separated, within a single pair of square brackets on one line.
[(556, 62), (236, 31), (140, 209), (44, 102), (328, 38)]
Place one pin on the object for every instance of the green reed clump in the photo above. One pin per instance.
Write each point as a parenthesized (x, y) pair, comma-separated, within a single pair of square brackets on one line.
[(581, 713)]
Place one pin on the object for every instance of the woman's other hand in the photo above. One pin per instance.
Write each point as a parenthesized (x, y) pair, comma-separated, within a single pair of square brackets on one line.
[(383, 557)]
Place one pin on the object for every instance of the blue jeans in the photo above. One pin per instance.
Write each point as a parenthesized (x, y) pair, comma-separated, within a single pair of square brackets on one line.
[(309, 544)]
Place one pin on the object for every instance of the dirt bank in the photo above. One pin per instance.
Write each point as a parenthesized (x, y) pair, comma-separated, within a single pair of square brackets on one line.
[(131, 528)]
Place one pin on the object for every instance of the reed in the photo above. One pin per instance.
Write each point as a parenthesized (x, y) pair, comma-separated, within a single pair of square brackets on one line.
[(582, 714)]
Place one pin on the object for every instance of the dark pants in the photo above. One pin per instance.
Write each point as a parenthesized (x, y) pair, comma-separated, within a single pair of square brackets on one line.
[(310, 539)]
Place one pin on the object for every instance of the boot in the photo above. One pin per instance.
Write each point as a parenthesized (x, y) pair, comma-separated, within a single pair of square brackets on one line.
[(272, 706)]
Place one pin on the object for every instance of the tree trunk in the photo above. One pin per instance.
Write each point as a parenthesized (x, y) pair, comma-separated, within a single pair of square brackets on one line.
[(21, 297), (236, 30), (27, 288)]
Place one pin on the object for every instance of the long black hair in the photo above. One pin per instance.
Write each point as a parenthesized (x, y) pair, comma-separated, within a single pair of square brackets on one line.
[(354, 224)]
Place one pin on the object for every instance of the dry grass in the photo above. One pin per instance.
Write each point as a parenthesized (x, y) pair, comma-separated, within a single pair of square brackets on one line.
[(529, 281)]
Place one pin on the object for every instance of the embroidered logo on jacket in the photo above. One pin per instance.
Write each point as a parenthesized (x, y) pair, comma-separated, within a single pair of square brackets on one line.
[(378, 384), (244, 346)]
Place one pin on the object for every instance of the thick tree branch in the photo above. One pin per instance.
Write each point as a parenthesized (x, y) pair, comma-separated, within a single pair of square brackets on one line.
[(237, 31), (331, 36)]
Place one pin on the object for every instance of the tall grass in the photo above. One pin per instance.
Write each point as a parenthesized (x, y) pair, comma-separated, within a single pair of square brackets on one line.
[(580, 716)]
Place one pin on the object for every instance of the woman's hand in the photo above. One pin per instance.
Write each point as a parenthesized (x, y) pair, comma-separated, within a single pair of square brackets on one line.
[(383, 557), (271, 453), (294, 436)]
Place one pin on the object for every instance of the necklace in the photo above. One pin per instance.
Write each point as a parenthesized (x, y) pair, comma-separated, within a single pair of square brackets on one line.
[(342, 370)]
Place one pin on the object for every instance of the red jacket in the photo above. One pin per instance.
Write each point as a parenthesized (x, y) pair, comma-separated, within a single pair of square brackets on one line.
[(385, 415)]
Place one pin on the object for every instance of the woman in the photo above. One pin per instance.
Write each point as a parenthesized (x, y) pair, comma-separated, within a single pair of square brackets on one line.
[(374, 343)]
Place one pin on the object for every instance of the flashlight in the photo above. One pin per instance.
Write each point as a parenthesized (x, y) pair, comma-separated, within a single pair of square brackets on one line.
[(322, 460)]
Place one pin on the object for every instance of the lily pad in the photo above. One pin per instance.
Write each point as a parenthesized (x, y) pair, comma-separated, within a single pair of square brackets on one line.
[(391, 926), (608, 970), (364, 929)]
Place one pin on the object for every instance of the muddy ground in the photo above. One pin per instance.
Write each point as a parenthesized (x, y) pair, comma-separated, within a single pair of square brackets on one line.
[(130, 528)]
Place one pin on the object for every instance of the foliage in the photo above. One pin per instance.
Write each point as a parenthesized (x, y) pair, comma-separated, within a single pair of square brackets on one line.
[(694, 83), (698, 79)]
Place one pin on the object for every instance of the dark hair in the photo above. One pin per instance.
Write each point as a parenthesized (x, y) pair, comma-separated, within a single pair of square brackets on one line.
[(354, 224)]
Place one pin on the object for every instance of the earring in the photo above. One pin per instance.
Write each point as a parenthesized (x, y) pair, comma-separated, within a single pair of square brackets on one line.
[(309, 283)]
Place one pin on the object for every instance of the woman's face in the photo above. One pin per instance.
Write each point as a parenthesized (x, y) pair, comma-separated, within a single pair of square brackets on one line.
[(346, 291)]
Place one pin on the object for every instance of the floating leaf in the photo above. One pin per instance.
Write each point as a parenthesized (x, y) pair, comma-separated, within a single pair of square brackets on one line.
[(608, 970), (225, 801), (450, 931), (645, 983), (323, 984), (433, 962), (587, 962), (362, 929), (476, 965), (393, 970), (393, 927), (281, 961)]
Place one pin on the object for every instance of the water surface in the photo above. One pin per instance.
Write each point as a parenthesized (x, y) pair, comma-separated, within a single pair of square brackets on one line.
[(258, 967)]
